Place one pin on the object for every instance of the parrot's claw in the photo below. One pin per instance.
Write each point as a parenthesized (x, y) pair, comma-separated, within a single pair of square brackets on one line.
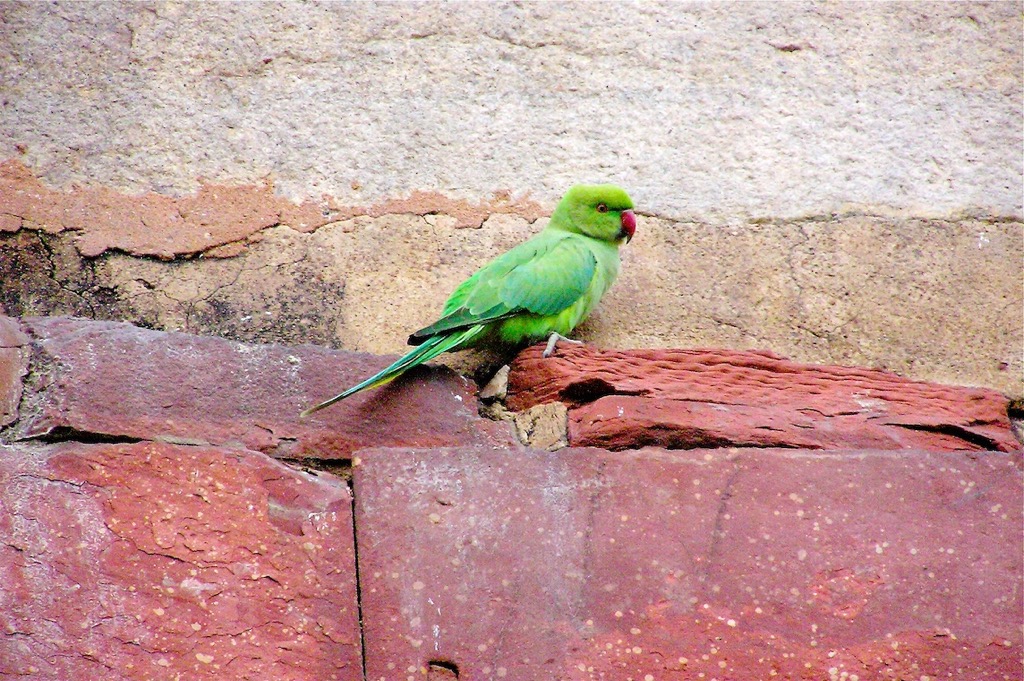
[(553, 340)]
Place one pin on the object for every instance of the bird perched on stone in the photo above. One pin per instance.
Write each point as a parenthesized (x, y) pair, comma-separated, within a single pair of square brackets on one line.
[(542, 288)]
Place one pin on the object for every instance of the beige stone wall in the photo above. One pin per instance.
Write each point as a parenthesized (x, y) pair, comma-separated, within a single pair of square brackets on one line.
[(836, 183)]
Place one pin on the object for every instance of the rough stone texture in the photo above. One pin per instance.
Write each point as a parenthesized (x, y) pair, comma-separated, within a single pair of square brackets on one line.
[(840, 184), (691, 565), (14, 355), (706, 110), (157, 561), (934, 300), (189, 554), (837, 183), (152, 224), (110, 380), (218, 220), (544, 426), (720, 398), (899, 294)]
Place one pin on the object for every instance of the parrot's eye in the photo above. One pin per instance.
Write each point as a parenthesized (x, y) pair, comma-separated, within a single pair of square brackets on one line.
[(601, 208)]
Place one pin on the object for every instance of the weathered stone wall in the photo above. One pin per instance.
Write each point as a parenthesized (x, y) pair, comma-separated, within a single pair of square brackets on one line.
[(833, 183), (840, 184), (703, 110), (159, 519)]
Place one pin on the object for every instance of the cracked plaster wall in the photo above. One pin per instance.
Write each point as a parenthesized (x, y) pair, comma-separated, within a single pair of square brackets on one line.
[(835, 183)]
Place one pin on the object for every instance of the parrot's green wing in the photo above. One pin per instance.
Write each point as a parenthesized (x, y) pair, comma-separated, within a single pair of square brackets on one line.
[(542, 276)]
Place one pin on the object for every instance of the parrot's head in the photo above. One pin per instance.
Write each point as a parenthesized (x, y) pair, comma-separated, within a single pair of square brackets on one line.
[(602, 211)]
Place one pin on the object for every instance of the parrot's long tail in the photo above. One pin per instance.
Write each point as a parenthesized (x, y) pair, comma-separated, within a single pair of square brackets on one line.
[(430, 349)]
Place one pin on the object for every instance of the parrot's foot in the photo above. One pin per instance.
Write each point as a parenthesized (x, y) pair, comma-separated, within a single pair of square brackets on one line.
[(553, 340)]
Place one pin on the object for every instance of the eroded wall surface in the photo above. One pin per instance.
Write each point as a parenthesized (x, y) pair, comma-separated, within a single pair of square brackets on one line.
[(835, 183)]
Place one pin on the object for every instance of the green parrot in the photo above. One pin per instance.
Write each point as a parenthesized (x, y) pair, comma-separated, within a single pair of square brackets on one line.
[(540, 289)]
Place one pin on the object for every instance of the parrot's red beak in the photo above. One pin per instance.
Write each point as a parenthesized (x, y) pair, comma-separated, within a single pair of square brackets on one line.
[(628, 225)]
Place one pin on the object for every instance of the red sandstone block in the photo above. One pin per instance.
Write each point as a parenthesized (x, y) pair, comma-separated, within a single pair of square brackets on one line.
[(683, 399), (117, 380), (158, 561), (13, 365), (697, 565)]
